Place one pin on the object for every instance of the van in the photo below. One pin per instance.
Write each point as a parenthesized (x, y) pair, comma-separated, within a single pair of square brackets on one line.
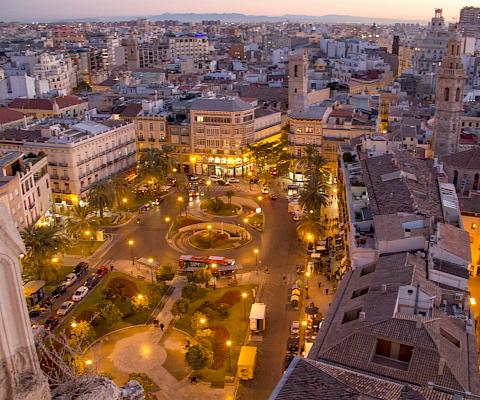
[(246, 362)]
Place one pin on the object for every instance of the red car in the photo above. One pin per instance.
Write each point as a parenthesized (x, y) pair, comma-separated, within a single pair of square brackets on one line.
[(102, 271)]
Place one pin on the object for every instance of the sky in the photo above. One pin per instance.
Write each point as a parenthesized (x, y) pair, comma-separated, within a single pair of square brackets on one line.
[(33, 10)]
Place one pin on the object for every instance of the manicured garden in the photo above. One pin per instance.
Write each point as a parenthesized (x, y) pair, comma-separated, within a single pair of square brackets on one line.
[(181, 221), (218, 207), (118, 301), (213, 239), (213, 318), (84, 248)]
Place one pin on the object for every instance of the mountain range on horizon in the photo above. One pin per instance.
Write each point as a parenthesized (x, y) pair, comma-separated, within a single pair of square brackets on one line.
[(239, 17)]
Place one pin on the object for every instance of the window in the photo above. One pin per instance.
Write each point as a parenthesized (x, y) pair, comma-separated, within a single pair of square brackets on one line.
[(199, 118), (359, 292), (392, 354), (308, 129), (457, 94), (295, 73), (446, 94), (351, 315)]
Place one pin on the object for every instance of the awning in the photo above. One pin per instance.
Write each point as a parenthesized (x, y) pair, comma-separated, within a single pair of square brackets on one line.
[(33, 287)]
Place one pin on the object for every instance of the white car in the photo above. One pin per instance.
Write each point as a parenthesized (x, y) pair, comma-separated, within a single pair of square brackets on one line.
[(296, 217), (65, 307), (80, 293), (265, 190), (233, 180), (295, 328), (70, 279), (215, 178)]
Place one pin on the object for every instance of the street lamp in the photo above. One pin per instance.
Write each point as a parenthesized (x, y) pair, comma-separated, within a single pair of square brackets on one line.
[(181, 201), (229, 344), (73, 324), (260, 198), (140, 296), (307, 275), (88, 234), (167, 219), (54, 259), (250, 179), (209, 182), (130, 244), (88, 362), (209, 227), (244, 297), (150, 261), (256, 258)]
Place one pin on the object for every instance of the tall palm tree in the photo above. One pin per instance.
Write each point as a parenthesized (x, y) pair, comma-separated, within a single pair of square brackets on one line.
[(314, 194), (121, 188), (229, 194), (101, 196), (153, 165), (313, 163), (80, 221), (311, 228), (43, 244)]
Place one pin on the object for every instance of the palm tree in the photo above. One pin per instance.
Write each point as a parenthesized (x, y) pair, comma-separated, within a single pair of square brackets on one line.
[(80, 221), (311, 228), (42, 244), (313, 163), (122, 189), (229, 194), (314, 194), (153, 165), (101, 196)]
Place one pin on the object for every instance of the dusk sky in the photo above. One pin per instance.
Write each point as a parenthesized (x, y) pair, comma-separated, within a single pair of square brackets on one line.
[(54, 9)]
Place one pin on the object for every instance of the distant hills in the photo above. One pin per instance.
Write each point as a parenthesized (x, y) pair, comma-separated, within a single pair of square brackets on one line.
[(237, 17)]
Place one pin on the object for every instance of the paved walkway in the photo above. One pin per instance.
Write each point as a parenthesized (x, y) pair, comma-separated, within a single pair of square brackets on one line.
[(141, 349)]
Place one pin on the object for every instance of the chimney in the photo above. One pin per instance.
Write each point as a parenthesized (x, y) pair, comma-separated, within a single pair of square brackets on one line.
[(361, 316), (441, 366), (418, 325), (383, 288)]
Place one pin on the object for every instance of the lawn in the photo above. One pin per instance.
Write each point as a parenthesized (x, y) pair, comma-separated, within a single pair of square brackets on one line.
[(214, 240), (95, 297), (234, 326), (217, 207), (180, 222), (84, 248), (174, 344)]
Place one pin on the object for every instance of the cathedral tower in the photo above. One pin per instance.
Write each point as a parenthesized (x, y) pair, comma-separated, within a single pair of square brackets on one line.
[(449, 99)]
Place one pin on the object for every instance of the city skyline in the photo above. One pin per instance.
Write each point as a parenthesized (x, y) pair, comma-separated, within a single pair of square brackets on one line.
[(27, 10)]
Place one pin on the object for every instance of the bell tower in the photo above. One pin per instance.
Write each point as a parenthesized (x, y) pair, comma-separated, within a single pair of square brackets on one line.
[(132, 56), (297, 82), (449, 99)]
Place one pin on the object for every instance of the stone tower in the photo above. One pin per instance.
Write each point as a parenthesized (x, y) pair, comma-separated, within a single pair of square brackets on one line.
[(449, 99), (297, 82), (131, 57), (20, 375)]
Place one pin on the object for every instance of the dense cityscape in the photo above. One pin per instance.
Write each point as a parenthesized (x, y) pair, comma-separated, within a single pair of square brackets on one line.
[(230, 206)]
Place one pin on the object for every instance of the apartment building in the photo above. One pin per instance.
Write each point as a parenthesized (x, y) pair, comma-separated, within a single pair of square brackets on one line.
[(25, 187), (78, 155), (56, 107), (58, 70), (10, 119), (195, 46), (220, 128)]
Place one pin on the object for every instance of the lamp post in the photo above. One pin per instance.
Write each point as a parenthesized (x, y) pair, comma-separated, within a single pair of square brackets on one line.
[(245, 221), (167, 220), (130, 244), (150, 262), (88, 234), (244, 297), (250, 179), (209, 182), (307, 275), (180, 201), (229, 344), (256, 258)]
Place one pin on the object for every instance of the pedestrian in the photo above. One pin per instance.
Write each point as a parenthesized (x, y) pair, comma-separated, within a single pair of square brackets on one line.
[(326, 291), (162, 327), (188, 344), (155, 322), (319, 284), (111, 267), (284, 277)]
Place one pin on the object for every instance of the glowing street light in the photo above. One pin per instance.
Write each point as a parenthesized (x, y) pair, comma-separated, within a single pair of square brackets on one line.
[(139, 296), (209, 227), (174, 170), (124, 200), (229, 344), (130, 244), (54, 259), (473, 301), (256, 257), (88, 362), (150, 262), (167, 219), (73, 324), (202, 320), (260, 198), (244, 296)]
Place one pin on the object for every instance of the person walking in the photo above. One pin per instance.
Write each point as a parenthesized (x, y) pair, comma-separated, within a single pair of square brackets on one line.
[(162, 327), (155, 322), (326, 291), (284, 278)]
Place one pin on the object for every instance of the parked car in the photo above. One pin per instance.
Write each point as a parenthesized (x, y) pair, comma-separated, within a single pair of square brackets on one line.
[(293, 343), (92, 281), (80, 293), (102, 271), (36, 311), (265, 190), (172, 180), (215, 178), (273, 196), (65, 307), (50, 323), (254, 179), (296, 217), (273, 172), (295, 328), (288, 359), (233, 180), (81, 268), (70, 279), (221, 182), (59, 290)]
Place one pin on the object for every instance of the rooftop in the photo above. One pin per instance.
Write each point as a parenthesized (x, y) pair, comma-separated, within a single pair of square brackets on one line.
[(225, 105), (7, 115), (469, 159), (46, 104)]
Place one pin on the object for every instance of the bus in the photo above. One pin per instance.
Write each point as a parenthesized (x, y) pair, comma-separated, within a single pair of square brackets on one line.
[(217, 265)]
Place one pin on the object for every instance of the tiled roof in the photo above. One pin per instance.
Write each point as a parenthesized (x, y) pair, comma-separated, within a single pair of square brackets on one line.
[(227, 105), (352, 344), (454, 240), (131, 110), (7, 115), (45, 104), (469, 159), (470, 204)]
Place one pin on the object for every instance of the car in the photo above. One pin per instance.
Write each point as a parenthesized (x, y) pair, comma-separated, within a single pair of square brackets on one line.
[(65, 307), (172, 181), (80, 269), (254, 179), (288, 359), (293, 344), (80, 293), (92, 281), (273, 172), (36, 311), (295, 328), (215, 178), (296, 217), (221, 182), (233, 180), (273, 196), (59, 290), (265, 190), (102, 271), (50, 323), (70, 279)]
